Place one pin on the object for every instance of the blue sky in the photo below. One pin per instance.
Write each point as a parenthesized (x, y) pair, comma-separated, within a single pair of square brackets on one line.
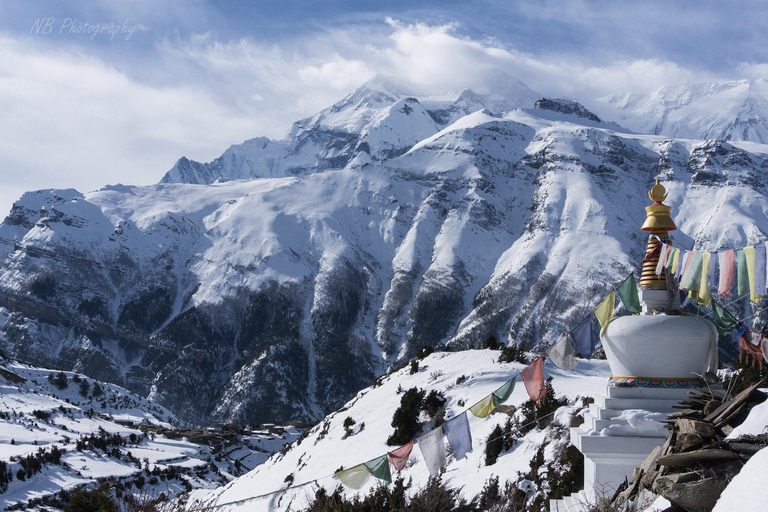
[(185, 77)]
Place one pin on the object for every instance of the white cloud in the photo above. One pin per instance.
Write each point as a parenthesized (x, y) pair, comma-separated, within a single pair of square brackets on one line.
[(70, 119)]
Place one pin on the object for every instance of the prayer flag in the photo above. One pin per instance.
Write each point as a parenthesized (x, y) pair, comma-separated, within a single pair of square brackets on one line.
[(766, 264), (563, 354), (692, 275), (458, 434), (432, 449), (483, 408), (750, 255), (628, 293), (604, 311), (714, 257), (669, 258), (683, 265), (703, 295), (760, 262), (675, 261), (399, 456), (662, 255), (742, 274), (354, 477), (504, 391), (764, 343), (379, 467), (727, 262), (724, 320), (533, 378), (750, 342), (582, 337)]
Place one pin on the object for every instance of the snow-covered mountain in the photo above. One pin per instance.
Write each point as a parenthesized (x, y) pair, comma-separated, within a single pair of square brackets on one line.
[(378, 121), (276, 299), (60, 430), (732, 111)]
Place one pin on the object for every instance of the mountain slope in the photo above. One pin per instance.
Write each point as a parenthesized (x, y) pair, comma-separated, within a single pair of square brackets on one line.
[(463, 378), (273, 300), (736, 110), (61, 430)]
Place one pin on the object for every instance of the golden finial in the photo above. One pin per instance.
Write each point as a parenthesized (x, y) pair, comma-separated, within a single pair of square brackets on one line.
[(658, 193), (658, 221)]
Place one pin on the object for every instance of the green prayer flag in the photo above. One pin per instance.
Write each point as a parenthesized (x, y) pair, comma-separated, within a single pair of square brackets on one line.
[(502, 394), (604, 311), (379, 467), (354, 477), (742, 274), (483, 408), (724, 320), (628, 293)]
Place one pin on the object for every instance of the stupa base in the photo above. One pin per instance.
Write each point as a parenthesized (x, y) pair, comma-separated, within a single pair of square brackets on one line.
[(614, 441)]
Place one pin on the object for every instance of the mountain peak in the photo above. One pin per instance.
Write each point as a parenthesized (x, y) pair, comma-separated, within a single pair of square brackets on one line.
[(566, 107)]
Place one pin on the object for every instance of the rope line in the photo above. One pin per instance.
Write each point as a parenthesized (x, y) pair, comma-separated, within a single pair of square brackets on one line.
[(212, 506)]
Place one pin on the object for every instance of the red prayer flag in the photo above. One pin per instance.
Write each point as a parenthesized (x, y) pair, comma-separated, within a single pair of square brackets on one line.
[(533, 378), (751, 343), (399, 456), (727, 272)]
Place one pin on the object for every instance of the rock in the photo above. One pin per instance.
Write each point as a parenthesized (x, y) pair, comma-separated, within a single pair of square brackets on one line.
[(693, 493), (686, 442), (701, 428)]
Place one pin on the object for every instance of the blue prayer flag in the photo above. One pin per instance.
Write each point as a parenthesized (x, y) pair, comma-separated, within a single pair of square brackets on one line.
[(582, 337), (459, 436)]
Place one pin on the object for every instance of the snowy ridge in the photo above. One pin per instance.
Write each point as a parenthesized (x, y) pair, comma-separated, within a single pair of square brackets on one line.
[(464, 378), (378, 121), (100, 431)]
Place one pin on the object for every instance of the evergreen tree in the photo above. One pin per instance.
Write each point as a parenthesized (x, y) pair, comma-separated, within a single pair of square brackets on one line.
[(406, 417)]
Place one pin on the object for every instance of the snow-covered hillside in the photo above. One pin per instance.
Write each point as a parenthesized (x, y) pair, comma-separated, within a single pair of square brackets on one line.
[(59, 430), (464, 378), (736, 110)]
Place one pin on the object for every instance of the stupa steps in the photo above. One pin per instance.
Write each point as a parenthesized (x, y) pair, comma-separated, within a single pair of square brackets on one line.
[(576, 502), (647, 404), (648, 393)]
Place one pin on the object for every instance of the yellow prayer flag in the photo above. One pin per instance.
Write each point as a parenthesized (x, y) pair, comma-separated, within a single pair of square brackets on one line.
[(604, 311), (354, 477), (750, 255), (483, 408), (703, 295)]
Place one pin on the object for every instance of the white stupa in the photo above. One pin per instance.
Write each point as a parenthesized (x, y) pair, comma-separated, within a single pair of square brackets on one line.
[(655, 359)]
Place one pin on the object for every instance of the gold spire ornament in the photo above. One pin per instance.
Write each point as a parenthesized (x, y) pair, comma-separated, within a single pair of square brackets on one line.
[(658, 221)]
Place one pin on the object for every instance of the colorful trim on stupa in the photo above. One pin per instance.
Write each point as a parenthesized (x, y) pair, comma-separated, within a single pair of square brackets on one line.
[(650, 382)]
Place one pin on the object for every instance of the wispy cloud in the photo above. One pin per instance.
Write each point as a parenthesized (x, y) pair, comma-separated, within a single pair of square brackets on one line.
[(76, 115)]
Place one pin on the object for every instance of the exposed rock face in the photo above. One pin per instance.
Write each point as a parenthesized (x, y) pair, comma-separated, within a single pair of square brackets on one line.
[(566, 107), (275, 299)]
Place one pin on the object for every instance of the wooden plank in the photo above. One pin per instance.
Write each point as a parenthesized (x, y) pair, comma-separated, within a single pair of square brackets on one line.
[(697, 457), (736, 402)]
